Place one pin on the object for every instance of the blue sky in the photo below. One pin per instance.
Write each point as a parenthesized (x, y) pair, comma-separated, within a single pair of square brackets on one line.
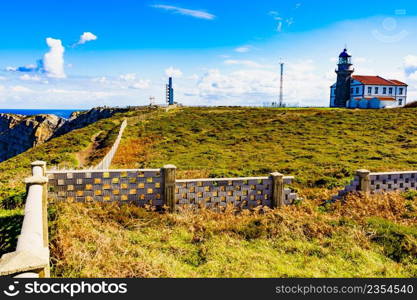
[(79, 54)]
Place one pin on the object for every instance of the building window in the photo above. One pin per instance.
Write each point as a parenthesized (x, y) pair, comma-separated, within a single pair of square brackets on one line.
[(357, 90), (400, 101), (401, 91), (376, 90), (369, 90), (390, 91), (384, 90)]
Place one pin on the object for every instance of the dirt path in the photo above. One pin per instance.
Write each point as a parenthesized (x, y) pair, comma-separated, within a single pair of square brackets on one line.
[(83, 156)]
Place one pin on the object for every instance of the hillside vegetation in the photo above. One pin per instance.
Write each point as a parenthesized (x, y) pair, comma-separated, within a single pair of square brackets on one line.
[(59, 152), (322, 148), (363, 237)]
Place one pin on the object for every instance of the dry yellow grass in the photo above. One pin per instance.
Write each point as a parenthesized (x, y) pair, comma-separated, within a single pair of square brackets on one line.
[(306, 240)]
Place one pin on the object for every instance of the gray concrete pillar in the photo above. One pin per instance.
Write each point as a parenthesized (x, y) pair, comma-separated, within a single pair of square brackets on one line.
[(169, 186), (364, 180), (278, 195)]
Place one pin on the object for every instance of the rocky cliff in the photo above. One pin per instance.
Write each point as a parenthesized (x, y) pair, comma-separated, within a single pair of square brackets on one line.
[(19, 133)]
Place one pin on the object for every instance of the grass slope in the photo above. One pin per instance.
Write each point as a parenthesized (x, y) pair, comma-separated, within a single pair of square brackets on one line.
[(364, 237), (321, 147)]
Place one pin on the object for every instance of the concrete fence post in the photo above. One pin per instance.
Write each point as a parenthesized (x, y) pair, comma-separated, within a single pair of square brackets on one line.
[(278, 194), (35, 165), (364, 180), (169, 186), (31, 258)]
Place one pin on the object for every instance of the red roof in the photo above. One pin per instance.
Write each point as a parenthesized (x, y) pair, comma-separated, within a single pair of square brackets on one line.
[(380, 98), (377, 80)]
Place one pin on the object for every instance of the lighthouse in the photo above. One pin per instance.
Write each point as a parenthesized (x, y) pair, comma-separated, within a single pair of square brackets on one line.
[(344, 73)]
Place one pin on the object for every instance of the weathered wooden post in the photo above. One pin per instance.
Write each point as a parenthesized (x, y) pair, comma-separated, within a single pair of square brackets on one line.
[(278, 194), (169, 186), (364, 180)]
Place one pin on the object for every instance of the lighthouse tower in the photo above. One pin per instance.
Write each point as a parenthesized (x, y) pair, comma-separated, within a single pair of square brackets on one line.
[(344, 72)]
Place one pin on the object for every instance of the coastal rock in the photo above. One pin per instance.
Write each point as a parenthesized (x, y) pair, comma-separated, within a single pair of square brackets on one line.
[(19, 133)]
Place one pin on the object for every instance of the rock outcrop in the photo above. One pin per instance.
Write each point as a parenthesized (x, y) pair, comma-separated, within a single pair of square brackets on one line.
[(19, 133)]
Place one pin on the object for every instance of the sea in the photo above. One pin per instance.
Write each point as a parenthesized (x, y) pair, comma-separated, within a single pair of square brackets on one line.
[(63, 113)]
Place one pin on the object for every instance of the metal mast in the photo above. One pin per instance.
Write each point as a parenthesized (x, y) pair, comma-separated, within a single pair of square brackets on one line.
[(281, 82)]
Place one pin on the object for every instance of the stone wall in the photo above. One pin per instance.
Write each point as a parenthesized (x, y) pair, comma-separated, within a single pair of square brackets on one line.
[(146, 187), (378, 182), (246, 192), (138, 186)]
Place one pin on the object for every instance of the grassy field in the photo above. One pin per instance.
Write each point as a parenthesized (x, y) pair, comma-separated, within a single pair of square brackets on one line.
[(364, 237), (321, 147)]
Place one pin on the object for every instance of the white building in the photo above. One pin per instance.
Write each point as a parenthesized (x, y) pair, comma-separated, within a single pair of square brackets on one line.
[(374, 92), (358, 91)]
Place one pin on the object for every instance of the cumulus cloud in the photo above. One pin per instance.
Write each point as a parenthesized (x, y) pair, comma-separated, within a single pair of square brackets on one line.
[(303, 85), (140, 84), (128, 77), (26, 68), (199, 14), (53, 60), (86, 37), (410, 65), (52, 63), (172, 72)]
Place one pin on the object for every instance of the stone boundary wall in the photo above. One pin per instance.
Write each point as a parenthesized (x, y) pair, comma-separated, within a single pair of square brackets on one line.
[(106, 161), (142, 186), (245, 192), (159, 187), (379, 182)]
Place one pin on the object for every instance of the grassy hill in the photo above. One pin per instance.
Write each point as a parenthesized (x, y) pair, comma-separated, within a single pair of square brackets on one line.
[(321, 147)]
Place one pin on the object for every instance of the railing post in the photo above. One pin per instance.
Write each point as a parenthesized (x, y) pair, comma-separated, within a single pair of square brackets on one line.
[(364, 180), (31, 258), (277, 199), (169, 186), (42, 165)]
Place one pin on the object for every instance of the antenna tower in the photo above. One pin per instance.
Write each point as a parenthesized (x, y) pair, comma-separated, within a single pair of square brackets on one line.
[(281, 83)]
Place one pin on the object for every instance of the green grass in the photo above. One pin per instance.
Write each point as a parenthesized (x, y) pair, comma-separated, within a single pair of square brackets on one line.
[(107, 240), (321, 147), (10, 225), (373, 237)]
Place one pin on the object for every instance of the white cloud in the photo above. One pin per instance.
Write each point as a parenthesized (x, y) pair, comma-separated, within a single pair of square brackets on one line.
[(53, 61), (30, 78), (128, 77), (102, 79), (200, 14), (410, 66), (141, 84), (86, 37), (20, 89), (246, 63), (302, 85), (243, 49), (172, 72)]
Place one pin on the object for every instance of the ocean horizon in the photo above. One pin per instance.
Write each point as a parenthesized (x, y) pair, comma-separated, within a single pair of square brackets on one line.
[(63, 113)]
